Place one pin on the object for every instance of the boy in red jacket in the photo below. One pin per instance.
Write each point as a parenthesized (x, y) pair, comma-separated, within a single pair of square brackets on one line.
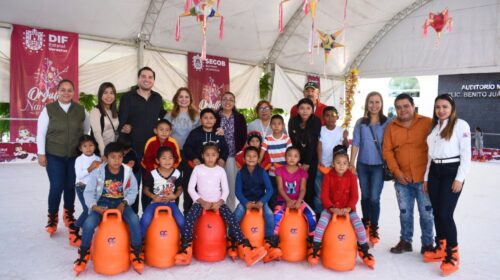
[(339, 195), (163, 131)]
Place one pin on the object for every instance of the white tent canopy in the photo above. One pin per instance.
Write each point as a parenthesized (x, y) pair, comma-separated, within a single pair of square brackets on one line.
[(382, 38)]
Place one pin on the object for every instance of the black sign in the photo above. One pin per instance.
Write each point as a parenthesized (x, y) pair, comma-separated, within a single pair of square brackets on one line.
[(477, 97)]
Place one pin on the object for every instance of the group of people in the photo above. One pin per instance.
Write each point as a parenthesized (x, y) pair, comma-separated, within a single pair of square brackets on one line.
[(213, 159)]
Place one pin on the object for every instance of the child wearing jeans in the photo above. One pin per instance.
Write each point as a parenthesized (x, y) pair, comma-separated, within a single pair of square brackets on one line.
[(111, 186), (209, 189), (84, 165), (291, 180), (339, 195), (163, 185), (253, 190)]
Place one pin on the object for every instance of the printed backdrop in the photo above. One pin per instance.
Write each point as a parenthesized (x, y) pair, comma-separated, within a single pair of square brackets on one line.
[(40, 58), (207, 79)]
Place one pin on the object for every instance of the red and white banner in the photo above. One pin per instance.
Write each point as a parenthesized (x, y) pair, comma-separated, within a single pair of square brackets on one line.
[(207, 80), (40, 58), (314, 78)]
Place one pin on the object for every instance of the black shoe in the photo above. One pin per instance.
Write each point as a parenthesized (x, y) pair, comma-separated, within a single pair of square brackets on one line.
[(426, 248), (401, 247)]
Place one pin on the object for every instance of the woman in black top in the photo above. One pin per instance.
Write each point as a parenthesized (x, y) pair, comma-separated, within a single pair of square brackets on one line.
[(304, 130)]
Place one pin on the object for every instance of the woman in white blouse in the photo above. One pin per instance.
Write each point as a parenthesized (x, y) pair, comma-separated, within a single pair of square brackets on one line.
[(449, 161), (104, 117)]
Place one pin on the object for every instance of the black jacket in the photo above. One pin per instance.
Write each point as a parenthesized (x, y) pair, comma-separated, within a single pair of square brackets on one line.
[(142, 115), (193, 146), (306, 139)]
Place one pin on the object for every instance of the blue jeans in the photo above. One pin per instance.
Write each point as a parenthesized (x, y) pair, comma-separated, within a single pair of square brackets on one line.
[(406, 195), (61, 172), (149, 213), (85, 212), (371, 182), (128, 215), (318, 182), (240, 211)]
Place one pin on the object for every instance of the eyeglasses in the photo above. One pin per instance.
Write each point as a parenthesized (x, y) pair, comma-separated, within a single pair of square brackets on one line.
[(227, 100), (263, 109)]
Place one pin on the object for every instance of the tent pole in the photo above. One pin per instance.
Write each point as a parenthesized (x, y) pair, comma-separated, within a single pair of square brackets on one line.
[(140, 54)]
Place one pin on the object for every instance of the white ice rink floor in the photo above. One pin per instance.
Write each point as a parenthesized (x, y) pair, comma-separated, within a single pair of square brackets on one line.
[(27, 252)]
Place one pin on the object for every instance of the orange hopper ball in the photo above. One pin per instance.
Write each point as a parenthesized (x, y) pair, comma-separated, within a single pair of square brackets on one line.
[(293, 236), (111, 244), (162, 239), (209, 242), (253, 228), (339, 244)]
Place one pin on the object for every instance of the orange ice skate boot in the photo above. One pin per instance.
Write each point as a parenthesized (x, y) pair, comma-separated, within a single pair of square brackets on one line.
[(451, 261), (183, 257), (315, 251), (137, 259), (80, 264), (437, 254), (252, 255), (273, 251), (232, 248), (53, 219), (68, 217), (367, 258)]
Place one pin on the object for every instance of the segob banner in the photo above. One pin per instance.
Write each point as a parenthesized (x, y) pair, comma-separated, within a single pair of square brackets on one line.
[(207, 80)]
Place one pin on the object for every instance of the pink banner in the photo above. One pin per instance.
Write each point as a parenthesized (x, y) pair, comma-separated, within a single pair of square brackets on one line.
[(207, 79), (40, 58), (314, 78)]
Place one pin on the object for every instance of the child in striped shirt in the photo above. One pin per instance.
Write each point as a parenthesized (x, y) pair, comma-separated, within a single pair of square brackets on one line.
[(276, 145)]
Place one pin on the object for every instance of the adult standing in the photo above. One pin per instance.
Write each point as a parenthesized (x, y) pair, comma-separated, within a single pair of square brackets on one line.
[(262, 124), (449, 161), (311, 91), (139, 112), (104, 117), (367, 149), (235, 133), (304, 130), (59, 127), (405, 150), (184, 118)]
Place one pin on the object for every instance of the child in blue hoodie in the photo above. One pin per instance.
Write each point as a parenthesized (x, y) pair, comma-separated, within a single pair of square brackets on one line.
[(253, 190)]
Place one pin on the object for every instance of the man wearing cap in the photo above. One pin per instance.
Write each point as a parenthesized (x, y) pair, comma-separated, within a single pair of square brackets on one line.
[(311, 91)]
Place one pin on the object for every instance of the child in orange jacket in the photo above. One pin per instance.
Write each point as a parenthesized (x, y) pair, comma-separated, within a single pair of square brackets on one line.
[(254, 139)]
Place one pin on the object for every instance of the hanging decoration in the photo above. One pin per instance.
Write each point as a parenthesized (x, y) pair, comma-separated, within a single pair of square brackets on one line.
[(202, 10), (351, 82), (328, 43), (439, 22), (310, 6)]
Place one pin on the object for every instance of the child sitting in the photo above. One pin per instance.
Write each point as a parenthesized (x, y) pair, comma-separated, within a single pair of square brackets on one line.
[(253, 190), (276, 145), (291, 180), (111, 186), (163, 131), (209, 189), (339, 195), (163, 185), (253, 139), (84, 165)]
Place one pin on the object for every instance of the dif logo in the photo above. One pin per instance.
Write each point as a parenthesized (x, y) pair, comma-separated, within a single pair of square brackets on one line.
[(163, 234), (294, 231), (111, 241), (58, 39), (341, 237)]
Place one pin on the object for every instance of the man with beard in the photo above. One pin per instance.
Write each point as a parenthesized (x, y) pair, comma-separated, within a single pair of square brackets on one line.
[(139, 112)]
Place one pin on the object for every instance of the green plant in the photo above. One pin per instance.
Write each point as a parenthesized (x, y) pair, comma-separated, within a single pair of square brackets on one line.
[(4, 124), (250, 114), (265, 85), (87, 100)]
